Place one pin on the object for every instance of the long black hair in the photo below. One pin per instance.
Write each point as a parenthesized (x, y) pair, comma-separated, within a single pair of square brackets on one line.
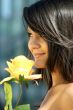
[(53, 19)]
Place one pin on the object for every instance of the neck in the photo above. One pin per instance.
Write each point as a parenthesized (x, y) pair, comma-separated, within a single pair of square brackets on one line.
[(57, 78)]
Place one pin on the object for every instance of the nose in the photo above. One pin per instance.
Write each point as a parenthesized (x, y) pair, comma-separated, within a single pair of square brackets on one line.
[(34, 44)]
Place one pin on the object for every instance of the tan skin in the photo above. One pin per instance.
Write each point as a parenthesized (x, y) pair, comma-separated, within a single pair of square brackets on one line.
[(60, 96)]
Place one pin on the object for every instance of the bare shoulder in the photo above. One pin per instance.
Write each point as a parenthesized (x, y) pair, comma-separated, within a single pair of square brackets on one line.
[(65, 101), (69, 89)]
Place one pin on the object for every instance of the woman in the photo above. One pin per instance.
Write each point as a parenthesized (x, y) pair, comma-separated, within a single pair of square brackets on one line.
[(50, 29)]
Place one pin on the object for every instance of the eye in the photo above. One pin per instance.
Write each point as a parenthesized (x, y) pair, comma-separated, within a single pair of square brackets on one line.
[(29, 34)]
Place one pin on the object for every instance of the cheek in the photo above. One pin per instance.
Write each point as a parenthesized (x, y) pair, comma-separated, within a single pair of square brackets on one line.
[(45, 47), (29, 46)]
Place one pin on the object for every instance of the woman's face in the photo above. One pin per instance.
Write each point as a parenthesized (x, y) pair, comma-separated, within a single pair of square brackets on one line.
[(39, 48)]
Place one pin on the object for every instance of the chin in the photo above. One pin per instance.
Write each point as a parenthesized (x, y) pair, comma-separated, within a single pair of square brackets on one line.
[(40, 66)]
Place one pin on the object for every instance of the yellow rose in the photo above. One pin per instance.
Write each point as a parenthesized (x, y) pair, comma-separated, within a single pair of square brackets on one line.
[(20, 65)]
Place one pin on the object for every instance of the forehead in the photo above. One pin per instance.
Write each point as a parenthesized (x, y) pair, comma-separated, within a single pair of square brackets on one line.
[(29, 29)]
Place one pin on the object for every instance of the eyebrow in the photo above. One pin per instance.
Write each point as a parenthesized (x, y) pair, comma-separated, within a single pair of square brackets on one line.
[(29, 32)]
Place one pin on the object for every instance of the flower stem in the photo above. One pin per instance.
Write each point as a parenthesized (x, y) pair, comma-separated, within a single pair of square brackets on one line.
[(19, 95)]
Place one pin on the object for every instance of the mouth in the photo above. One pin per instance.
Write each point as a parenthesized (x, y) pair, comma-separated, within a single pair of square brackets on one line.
[(37, 55)]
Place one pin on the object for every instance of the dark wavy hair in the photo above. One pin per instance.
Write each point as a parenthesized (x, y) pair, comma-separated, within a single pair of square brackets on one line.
[(53, 20)]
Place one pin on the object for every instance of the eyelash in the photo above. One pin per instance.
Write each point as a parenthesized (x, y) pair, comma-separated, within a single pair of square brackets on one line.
[(29, 34)]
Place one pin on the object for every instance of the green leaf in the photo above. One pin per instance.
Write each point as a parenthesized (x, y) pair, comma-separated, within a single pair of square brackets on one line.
[(23, 107), (8, 96)]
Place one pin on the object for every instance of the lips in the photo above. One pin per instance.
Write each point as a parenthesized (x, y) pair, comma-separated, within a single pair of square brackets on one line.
[(37, 55)]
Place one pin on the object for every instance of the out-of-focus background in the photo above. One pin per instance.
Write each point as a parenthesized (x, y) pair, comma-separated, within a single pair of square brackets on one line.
[(13, 42)]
